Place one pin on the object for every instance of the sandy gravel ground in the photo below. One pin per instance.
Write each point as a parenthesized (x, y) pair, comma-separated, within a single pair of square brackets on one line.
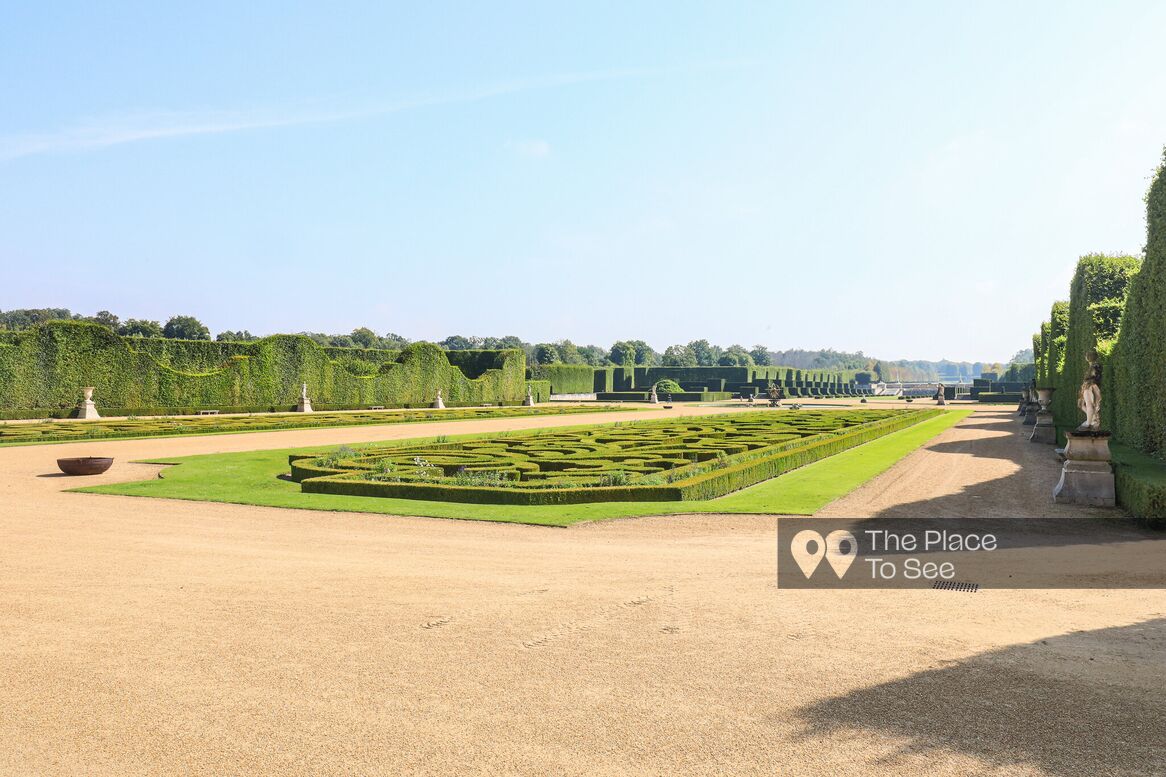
[(163, 637)]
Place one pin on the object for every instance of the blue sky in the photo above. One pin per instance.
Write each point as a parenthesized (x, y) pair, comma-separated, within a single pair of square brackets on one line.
[(909, 179)]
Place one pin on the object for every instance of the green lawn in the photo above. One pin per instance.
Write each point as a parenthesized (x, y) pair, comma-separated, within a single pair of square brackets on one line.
[(252, 478)]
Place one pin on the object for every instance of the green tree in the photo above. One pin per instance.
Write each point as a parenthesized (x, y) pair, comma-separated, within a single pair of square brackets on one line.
[(760, 356), (107, 319), (365, 337), (546, 353), (460, 343), (393, 341), (735, 356), (1023, 356), (623, 353), (26, 318), (706, 355), (594, 355), (185, 328), (569, 352), (679, 356), (135, 327), (242, 336)]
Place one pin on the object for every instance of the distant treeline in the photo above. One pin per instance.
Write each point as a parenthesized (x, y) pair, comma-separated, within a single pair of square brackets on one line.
[(698, 353)]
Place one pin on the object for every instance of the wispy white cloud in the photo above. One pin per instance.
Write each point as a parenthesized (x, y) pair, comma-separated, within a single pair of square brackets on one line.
[(131, 128), (535, 149)]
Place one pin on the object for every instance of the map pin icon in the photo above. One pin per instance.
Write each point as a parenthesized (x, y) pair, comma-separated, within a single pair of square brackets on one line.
[(799, 549), (839, 559)]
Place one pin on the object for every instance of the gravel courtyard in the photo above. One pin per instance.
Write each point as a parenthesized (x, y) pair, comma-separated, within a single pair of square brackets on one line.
[(149, 636)]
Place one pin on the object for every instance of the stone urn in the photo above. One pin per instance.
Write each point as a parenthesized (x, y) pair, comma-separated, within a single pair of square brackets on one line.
[(87, 410), (1043, 429)]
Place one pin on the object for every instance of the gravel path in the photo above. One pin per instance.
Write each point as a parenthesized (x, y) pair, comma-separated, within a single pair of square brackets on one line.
[(159, 637)]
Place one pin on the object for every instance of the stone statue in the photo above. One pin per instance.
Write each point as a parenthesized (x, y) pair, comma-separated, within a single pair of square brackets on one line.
[(529, 401), (439, 403), (1089, 398), (305, 405), (940, 398), (653, 397)]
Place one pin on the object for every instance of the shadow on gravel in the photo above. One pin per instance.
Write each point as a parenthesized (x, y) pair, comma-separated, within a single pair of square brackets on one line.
[(1090, 702)]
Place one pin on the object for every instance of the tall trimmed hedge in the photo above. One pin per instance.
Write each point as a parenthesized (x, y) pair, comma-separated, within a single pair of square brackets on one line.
[(1096, 297), (44, 368), (1136, 372), (566, 378), (1058, 335)]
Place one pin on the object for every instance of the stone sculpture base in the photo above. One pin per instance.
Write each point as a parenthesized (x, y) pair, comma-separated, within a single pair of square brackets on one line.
[(438, 404), (528, 402), (1030, 414), (1087, 475), (87, 410), (305, 406), (1044, 430)]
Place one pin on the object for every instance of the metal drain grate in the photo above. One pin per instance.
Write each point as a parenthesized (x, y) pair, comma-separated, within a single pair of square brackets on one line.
[(952, 585)]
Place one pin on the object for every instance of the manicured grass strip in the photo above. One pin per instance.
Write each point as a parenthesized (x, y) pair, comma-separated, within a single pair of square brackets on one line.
[(251, 478), (167, 426)]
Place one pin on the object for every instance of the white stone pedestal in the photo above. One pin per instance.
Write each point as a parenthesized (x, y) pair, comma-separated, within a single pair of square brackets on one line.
[(87, 410), (304, 406), (1087, 475)]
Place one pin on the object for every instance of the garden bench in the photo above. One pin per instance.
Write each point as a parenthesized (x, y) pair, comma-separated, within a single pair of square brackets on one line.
[(377, 407), (208, 412)]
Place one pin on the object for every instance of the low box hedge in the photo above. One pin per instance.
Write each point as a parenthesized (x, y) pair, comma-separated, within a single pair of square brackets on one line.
[(744, 468)]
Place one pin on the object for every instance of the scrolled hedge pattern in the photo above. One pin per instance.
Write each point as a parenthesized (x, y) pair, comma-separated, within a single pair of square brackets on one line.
[(674, 460)]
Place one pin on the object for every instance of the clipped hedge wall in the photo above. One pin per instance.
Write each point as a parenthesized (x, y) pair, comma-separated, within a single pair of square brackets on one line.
[(540, 390), (1138, 387), (1058, 333), (566, 378), (1096, 298), (47, 366)]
